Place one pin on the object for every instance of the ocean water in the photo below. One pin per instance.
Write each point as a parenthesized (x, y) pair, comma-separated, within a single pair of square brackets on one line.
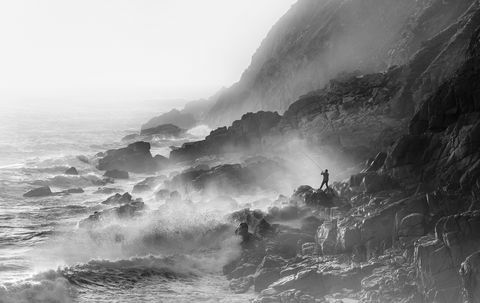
[(45, 256)]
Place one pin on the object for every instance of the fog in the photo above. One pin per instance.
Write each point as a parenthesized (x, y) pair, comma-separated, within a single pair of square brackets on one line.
[(128, 50)]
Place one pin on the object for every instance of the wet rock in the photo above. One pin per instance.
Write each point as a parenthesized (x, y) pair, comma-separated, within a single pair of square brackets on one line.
[(268, 272), (287, 242), (128, 210), (470, 273), (39, 192), (116, 174), (71, 171), (231, 178), (118, 199), (136, 158), (326, 237), (377, 162)]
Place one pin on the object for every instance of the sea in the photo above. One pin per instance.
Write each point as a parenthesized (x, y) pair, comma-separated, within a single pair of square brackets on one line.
[(45, 256)]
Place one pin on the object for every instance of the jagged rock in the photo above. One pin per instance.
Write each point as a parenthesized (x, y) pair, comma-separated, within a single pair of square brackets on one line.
[(326, 237), (268, 272), (168, 130), (373, 182), (243, 135), (118, 199), (71, 171), (377, 163), (116, 174), (39, 192), (136, 158), (231, 178), (125, 211), (412, 225), (438, 259), (470, 273)]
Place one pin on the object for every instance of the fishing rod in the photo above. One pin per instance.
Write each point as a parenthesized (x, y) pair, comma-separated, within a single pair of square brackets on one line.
[(316, 164)]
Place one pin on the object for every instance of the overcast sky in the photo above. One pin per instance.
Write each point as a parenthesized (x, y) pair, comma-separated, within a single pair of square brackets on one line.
[(128, 49)]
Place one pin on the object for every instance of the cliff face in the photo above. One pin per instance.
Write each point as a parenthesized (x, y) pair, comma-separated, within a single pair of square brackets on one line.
[(444, 138), (316, 40)]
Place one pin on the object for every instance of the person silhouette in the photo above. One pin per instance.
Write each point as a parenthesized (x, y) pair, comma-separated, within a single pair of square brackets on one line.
[(325, 175)]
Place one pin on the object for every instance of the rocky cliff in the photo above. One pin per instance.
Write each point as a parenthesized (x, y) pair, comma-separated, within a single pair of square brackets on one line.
[(316, 40)]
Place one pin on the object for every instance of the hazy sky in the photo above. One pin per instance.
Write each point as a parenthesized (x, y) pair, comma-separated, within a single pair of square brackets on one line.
[(128, 49)]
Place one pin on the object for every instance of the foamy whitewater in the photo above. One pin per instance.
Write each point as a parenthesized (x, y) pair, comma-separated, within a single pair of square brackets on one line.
[(45, 256)]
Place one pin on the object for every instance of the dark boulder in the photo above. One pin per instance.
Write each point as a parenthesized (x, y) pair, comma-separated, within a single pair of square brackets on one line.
[(136, 158), (71, 171), (39, 192), (116, 174)]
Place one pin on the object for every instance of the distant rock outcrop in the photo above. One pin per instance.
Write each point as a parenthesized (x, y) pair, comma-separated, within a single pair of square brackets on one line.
[(176, 117), (166, 130)]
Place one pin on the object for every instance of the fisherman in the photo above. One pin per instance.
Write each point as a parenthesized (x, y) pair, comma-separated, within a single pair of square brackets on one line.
[(325, 175), (247, 237)]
